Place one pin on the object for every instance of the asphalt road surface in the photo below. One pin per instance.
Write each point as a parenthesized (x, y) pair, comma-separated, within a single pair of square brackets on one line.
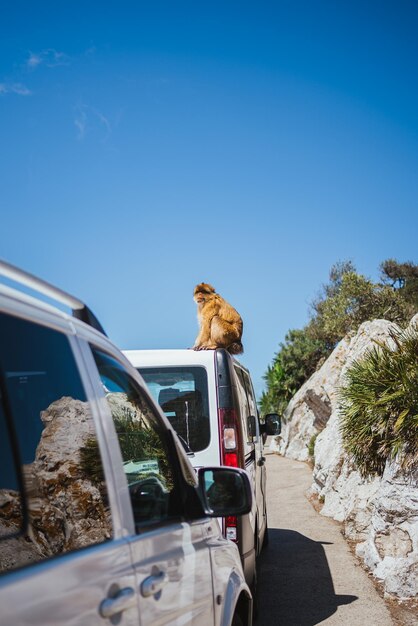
[(308, 574)]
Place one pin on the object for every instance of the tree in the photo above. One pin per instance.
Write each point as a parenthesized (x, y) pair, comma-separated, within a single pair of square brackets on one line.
[(336, 275), (345, 302), (402, 277), (295, 361), (270, 399), (356, 300)]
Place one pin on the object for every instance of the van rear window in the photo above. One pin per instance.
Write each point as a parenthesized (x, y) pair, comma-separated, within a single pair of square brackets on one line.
[(182, 393)]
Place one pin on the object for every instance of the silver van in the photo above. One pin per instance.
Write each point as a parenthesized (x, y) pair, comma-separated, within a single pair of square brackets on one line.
[(102, 518), (208, 398)]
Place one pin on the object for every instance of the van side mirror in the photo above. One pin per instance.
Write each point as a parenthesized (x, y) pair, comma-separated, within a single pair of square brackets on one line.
[(225, 491), (252, 428), (272, 424)]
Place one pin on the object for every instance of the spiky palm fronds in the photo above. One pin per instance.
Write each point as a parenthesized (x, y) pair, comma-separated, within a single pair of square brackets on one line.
[(379, 405), (91, 461)]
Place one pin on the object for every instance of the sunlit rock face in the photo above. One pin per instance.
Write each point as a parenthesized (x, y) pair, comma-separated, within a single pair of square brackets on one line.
[(380, 514), (65, 503), (67, 509), (312, 406), (336, 480), (390, 548)]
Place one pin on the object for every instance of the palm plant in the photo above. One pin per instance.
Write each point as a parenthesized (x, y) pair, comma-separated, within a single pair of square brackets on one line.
[(379, 405)]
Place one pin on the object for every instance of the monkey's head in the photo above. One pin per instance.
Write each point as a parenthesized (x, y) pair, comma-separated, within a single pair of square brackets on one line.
[(202, 292)]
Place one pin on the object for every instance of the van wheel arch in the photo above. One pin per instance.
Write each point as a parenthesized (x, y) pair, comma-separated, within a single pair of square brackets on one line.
[(236, 620), (242, 611)]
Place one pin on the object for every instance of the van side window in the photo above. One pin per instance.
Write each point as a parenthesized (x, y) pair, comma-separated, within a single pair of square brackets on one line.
[(50, 500), (247, 400), (146, 459), (250, 394), (251, 402), (244, 407)]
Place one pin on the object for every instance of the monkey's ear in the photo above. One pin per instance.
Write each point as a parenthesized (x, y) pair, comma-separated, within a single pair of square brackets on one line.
[(204, 288)]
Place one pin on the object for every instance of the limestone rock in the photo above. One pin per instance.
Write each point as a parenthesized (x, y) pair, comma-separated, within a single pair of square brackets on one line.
[(380, 513), (310, 408), (66, 506), (67, 509), (390, 548)]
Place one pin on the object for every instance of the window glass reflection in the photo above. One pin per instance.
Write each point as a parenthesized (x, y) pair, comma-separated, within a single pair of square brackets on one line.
[(52, 424), (146, 460)]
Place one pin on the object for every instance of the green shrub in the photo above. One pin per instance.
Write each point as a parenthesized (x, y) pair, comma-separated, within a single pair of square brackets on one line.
[(402, 277), (295, 362), (379, 405), (311, 446), (347, 300), (357, 300)]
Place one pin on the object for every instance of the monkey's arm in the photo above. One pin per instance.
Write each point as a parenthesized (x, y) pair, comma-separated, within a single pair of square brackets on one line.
[(203, 339), (203, 336)]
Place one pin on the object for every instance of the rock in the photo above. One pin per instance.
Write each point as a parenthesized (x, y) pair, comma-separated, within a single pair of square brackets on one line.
[(396, 544), (380, 514), (310, 408), (320, 406), (66, 508), (390, 548)]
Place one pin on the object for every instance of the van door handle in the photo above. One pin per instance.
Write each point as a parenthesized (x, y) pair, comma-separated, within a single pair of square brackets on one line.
[(153, 585), (124, 599), (261, 461)]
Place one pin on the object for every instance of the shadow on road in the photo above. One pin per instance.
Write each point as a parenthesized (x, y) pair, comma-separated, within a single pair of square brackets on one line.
[(295, 583)]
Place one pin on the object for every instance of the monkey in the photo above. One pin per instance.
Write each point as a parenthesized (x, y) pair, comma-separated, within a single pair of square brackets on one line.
[(220, 324)]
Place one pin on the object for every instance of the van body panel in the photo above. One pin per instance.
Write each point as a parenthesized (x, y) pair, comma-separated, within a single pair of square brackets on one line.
[(229, 388), (147, 359)]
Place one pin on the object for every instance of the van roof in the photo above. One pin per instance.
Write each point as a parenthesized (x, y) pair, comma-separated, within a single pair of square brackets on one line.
[(23, 281), (154, 358), (158, 358)]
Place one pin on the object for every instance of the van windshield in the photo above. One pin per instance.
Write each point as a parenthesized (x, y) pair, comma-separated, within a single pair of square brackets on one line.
[(182, 393)]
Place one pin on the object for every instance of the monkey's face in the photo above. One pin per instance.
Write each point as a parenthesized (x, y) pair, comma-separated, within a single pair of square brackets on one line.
[(199, 297), (202, 293)]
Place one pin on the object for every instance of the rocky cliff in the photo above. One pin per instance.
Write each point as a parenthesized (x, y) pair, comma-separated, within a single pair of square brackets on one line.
[(379, 514)]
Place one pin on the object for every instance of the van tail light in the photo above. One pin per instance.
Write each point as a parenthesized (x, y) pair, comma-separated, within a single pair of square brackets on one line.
[(230, 435), (231, 528), (231, 455), (231, 459)]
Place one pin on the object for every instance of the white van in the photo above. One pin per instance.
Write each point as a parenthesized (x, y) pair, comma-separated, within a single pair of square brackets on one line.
[(102, 518), (208, 398)]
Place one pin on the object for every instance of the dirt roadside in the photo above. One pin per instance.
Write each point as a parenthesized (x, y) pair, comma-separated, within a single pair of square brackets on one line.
[(309, 574)]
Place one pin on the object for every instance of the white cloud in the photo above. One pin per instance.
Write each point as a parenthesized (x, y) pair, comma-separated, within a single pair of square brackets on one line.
[(80, 122), (17, 88), (34, 60), (103, 120), (48, 57), (88, 118)]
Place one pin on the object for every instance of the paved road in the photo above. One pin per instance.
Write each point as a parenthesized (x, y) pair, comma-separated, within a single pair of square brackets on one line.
[(307, 573)]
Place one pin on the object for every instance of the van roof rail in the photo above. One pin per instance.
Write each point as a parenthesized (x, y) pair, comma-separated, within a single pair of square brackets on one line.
[(78, 308)]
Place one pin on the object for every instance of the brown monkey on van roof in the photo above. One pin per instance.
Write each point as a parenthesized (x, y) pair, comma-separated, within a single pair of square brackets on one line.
[(220, 324)]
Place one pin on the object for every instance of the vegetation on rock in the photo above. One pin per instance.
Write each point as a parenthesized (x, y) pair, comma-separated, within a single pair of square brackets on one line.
[(345, 302), (379, 405), (296, 360)]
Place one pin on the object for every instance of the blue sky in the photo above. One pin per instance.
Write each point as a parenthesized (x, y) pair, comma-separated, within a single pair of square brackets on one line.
[(149, 146)]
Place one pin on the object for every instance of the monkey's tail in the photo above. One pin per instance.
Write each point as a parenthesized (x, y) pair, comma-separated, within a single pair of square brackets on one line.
[(236, 348)]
